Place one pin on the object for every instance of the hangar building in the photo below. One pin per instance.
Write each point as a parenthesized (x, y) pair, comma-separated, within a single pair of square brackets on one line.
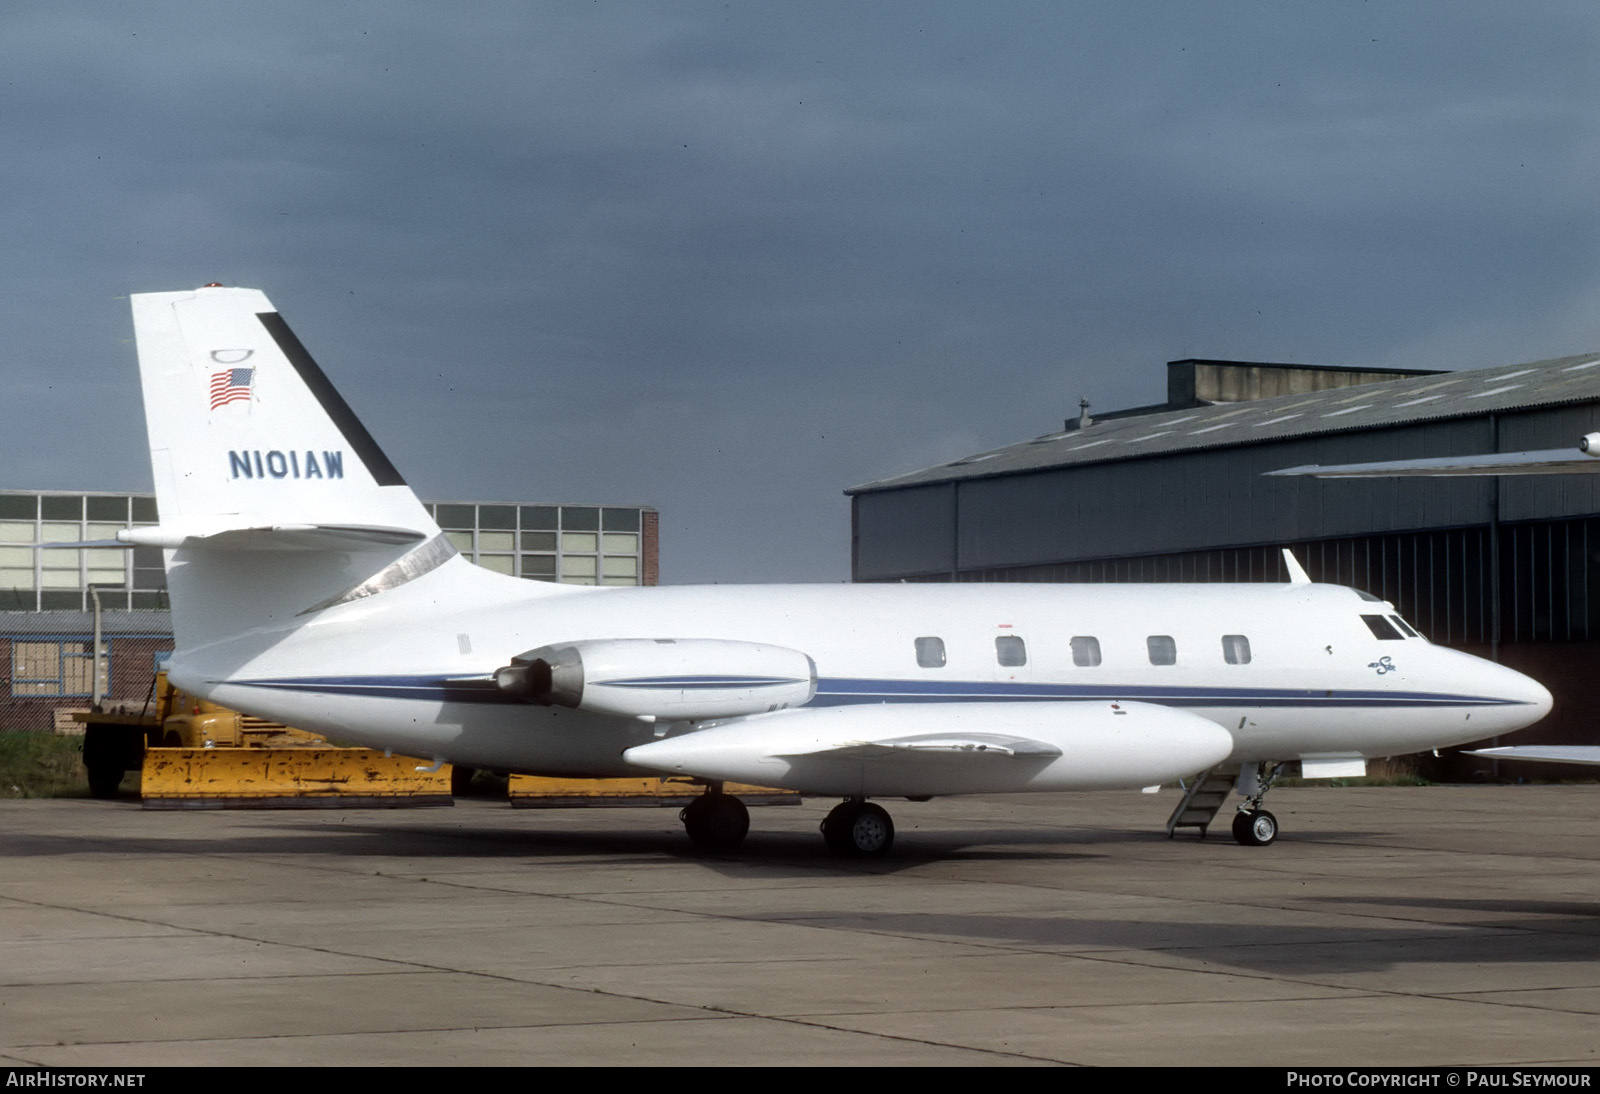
[(1504, 567)]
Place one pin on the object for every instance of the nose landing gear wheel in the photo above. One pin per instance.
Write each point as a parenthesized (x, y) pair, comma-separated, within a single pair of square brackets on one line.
[(858, 829), (1255, 828), (716, 822)]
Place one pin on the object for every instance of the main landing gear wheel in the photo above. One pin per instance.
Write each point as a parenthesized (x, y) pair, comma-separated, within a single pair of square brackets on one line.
[(859, 829), (716, 822), (104, 779), (1255, 828)]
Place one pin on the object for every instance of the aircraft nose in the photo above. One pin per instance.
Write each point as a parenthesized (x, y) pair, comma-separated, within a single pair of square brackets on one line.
[(1533, 699), (1534, 694)]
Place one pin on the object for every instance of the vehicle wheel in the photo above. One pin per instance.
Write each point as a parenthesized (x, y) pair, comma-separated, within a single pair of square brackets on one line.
[(1255, 829), (716, 822), (858, 829), (460, 779), (104, 780)]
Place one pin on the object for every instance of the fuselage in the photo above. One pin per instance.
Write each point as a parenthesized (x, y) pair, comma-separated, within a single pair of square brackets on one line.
[(1290, 671)]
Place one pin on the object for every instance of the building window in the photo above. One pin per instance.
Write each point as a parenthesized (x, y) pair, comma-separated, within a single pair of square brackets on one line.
[(1085, 651), (1236, 649), (458, 517), (622, 566), (1163, 649), (539, 567), (580, 518), (930, 653), (578, 569), (546, 517), (54, 667), (1010, 651), (497, 516)]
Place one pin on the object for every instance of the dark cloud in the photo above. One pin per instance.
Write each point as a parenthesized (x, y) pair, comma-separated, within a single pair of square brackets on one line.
[(730, 258)]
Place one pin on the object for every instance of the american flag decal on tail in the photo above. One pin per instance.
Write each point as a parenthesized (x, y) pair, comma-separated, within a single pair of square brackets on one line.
[(230, 385)]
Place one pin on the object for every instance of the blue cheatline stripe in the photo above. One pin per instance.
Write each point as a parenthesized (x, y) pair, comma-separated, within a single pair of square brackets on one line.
[(691, 682), (843, 691), (836, 692)]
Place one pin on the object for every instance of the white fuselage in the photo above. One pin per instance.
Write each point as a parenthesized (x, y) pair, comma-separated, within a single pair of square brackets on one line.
[(310, 586), (407, 672)]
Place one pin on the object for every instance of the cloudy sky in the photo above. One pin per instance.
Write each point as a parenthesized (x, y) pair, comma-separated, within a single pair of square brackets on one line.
[(728, 259)]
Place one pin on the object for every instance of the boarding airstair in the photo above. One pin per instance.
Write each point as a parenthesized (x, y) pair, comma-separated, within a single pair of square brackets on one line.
[(1203, 799)]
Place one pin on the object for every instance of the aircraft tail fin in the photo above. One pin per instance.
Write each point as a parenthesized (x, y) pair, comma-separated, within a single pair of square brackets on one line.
[(274, 500), (243, 423)]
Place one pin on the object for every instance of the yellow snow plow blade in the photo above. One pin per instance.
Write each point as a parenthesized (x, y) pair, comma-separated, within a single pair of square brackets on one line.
[(538, 792), (287, 778)]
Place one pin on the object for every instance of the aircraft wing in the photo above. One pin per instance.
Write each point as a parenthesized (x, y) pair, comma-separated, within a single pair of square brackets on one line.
[(939, 744), (934, 748), (1555, 754), (1553, 461)]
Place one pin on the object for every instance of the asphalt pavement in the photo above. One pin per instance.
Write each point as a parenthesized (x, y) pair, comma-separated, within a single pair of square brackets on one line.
[(1387, 926)]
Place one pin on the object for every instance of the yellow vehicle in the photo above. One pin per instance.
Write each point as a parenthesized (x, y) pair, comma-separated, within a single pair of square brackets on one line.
[(190, 752)]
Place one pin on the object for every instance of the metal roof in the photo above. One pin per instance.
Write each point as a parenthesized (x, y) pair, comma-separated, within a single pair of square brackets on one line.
[(1437, 397)]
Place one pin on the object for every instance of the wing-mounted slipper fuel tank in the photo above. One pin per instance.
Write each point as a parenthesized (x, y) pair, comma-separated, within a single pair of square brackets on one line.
[(917, 749), (671, 679)]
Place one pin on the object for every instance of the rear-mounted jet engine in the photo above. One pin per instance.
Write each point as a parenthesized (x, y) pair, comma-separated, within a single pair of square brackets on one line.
[(677, 679)]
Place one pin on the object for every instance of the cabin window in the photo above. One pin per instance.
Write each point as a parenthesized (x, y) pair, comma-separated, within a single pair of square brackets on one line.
[(1382, 628), (930, 653), (1163, 650), (1010, 651), (1405, 628), (1236, 649), (1085, 651)]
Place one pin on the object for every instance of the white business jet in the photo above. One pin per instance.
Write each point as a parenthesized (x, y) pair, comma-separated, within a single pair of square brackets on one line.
[(309, 586)]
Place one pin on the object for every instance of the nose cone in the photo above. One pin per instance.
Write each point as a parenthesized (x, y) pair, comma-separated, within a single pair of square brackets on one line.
[(1534, 694), (1519, 700)]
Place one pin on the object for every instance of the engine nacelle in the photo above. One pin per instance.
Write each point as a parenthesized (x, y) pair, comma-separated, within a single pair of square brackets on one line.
[(1589, 444), (671, 679)]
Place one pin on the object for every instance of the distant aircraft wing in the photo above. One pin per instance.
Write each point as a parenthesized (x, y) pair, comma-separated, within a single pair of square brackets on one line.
[(1553, 461), (1555, 754)]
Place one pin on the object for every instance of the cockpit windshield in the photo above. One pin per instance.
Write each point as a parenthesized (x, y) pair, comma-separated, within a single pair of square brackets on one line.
[(1389, 628)]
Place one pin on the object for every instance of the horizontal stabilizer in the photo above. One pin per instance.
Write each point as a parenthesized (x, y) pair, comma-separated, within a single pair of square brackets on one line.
[(273, 537)]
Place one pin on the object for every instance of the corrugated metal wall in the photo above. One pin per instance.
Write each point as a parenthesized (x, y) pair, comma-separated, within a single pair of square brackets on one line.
[(1198, 501)]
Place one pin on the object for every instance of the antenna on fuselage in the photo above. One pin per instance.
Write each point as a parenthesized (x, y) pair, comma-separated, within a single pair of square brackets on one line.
[(1297, 573)]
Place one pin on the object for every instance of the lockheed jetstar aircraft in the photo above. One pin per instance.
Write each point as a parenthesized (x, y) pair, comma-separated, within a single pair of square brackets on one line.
[(309, 586)]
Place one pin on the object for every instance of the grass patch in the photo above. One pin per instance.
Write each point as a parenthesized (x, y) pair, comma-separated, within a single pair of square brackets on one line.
[(41, 765)]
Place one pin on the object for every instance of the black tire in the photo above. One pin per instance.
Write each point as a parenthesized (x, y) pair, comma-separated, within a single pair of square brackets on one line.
[(460, 779), (716, 822), (104, 780), (858, 829), (1255, 829)]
